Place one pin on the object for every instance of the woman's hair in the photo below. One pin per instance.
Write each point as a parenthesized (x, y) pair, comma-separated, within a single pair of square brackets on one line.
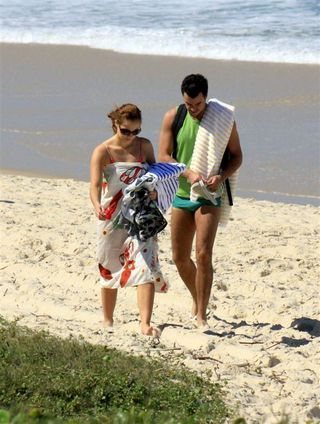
[(126, 111)]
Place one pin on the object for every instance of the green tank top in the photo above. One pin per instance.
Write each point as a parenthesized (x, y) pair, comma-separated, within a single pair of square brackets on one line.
[(185, 144)]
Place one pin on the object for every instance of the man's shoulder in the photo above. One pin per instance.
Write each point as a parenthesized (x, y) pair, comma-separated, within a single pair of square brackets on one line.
[(170, 115), (172, 111)]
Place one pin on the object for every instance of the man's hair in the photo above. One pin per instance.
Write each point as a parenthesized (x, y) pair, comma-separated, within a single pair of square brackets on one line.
[(194, 84)]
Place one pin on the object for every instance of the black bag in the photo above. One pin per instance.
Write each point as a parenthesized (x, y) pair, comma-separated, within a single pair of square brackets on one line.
[(146, 220), (176, 125)]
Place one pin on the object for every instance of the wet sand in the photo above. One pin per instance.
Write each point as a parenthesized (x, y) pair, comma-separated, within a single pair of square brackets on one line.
[(54, 101)]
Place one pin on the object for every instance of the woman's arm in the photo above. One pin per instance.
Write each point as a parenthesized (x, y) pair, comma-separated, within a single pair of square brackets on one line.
[(97, 164), (148, 151), (149, 158)]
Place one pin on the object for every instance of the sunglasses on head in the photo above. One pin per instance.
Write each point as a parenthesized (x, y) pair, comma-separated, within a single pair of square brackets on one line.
[(125, 131)]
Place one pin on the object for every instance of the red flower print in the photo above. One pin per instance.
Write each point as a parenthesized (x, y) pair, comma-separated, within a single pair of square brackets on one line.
[(127, 264), (105, 273), (109, 211), (128, 267), (164, 287), (131, 174)]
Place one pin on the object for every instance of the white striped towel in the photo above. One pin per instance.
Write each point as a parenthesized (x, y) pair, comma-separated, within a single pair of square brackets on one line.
[(211, 141)]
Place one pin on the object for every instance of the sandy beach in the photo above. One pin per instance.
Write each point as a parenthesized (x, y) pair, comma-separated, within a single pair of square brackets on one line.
[(264, 342)]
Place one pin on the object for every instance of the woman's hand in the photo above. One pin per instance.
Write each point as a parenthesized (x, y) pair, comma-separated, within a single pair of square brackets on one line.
[(100, 213), (153, 195), (192, 176)]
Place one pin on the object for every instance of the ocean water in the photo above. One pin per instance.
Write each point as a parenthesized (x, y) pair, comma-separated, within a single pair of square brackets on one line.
[(268, 31), (48, 130)]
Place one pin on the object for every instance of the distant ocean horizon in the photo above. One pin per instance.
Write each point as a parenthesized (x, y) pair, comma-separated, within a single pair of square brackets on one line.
[(284, 31)]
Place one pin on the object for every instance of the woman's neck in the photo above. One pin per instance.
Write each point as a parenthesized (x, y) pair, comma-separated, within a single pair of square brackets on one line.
[(125, 144)]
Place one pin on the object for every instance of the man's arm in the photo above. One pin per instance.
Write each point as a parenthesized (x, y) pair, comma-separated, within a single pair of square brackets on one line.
[(166, 137), (233, 163), (166, 146), (235, 154)]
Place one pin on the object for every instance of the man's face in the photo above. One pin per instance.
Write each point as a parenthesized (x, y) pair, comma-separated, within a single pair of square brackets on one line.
[(195, 106)]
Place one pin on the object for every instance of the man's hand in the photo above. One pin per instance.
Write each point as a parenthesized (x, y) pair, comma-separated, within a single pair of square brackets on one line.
[(214, 182)]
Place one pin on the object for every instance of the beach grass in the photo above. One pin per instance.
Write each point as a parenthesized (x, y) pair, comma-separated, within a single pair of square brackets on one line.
[(46, 379)]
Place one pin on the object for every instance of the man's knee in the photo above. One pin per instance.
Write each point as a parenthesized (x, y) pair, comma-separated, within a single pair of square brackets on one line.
[(204, 257), (179, 259)]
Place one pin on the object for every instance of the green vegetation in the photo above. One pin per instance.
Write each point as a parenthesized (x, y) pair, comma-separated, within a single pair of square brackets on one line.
[(44, 379)]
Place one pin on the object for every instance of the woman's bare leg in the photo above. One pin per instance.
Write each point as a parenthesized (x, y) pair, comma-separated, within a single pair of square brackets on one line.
[(108, 298)]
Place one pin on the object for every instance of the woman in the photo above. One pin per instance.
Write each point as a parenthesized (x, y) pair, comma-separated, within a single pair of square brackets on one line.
[(124, 261)]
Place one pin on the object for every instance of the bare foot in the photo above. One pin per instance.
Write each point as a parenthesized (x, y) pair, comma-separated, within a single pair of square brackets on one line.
[(202, 325), (149, 330), (108, 325)]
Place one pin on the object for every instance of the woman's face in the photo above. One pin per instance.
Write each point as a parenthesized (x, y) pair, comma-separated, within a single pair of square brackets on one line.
[(128, 129)]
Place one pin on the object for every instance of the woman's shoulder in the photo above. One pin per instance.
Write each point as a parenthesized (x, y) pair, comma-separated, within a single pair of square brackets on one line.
[(103, 145), (144, 140), (101, 151), (145, 143), (147, 151)]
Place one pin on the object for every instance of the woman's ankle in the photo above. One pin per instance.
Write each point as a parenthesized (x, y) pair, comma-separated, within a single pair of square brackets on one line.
[(150, 330), (107, 322)]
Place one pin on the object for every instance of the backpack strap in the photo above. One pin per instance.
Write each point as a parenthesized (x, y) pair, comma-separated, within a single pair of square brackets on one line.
[(224, 162), (176, 125)]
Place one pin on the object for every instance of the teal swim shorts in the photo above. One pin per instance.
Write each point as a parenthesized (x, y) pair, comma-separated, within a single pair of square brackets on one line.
[(187, 204)]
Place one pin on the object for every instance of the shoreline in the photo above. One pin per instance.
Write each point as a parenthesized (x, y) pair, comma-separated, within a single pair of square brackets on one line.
[(160, 57), (85, 46)]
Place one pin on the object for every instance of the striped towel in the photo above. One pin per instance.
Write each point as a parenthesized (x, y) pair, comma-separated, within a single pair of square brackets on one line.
[(162, 177), (167, 182), (211, 141)]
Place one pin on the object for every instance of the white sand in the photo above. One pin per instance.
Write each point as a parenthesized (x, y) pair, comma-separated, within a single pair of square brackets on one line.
[(267, 277)]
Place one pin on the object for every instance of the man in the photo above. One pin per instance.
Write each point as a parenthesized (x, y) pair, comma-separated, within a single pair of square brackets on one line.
[(199, 218)]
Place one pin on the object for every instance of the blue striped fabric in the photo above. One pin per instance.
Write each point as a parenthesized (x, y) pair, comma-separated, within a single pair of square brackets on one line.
[(166, 185), (162, 177)]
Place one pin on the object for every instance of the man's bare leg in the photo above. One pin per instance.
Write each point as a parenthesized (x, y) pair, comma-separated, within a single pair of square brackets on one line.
[(207, 219), (108, 299), (182, 234)]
